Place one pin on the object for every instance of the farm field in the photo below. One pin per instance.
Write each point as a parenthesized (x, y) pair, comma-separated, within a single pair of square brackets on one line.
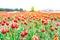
[(29, 26)]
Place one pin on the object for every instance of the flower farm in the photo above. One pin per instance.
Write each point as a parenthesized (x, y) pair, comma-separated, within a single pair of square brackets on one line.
[(29, 26)]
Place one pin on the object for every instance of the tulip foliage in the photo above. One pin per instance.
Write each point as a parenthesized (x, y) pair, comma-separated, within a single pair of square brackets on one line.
[(30, 28)]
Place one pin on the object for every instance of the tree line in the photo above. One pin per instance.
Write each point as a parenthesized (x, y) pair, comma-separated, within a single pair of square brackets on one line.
[(8, 9), (16, 9)]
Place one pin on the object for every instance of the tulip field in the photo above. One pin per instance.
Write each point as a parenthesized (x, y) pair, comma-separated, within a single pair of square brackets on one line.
[(29, 26)]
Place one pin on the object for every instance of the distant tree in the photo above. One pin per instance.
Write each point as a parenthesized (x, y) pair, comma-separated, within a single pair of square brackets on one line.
[(16, 9), (32, 9), (2, 9), (21, 9), (7, 9)]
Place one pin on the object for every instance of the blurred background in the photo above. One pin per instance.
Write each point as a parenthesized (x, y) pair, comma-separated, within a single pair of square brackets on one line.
[(26, 5)]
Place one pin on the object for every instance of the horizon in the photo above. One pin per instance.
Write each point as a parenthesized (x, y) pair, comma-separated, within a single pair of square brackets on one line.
[(27, 4)]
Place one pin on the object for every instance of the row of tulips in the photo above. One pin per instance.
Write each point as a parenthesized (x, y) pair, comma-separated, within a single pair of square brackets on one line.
[(30, 28)]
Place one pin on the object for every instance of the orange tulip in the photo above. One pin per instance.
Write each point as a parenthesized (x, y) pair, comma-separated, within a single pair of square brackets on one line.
[(56, 37), (35, 38)]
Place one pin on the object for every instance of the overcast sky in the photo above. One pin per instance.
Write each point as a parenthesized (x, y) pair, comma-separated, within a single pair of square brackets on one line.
[(27, 4)]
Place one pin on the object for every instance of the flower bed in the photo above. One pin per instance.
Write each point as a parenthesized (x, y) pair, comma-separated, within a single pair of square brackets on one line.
[(29, 26)]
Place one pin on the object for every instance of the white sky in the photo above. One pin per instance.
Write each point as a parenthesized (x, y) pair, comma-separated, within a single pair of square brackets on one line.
[(27, 4)]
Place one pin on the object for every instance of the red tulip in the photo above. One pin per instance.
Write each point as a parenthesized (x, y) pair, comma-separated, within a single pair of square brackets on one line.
[(43, 30), (15, 20), (55, 18), (25, 23), (4, 31), (26, 32), (2, 23), (16, 25), (7, 23), (19, 18), (13, 26), (45, 23), (23, 17), (58, 24), (51, 29), (22, 34), (8, 17)]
